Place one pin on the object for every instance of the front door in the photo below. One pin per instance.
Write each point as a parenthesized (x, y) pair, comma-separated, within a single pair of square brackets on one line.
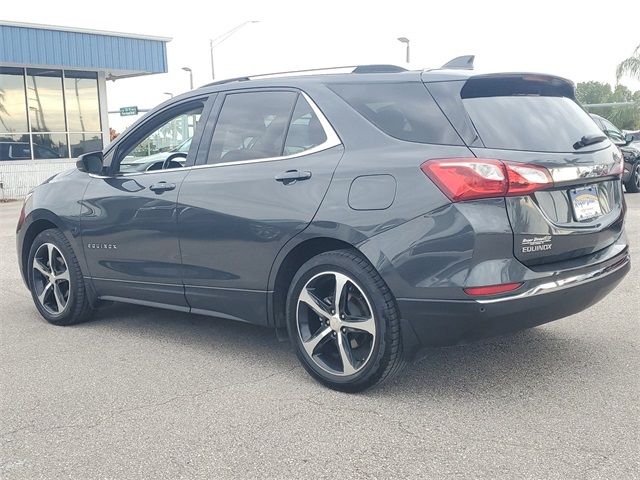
[(129, 221), (269, 165)]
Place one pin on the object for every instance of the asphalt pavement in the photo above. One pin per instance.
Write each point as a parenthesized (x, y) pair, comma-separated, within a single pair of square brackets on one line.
[(139, 393)]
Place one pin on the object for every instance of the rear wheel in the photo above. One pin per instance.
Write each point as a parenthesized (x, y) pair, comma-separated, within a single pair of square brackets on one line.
[(633, 184), (343, 322), (55, 280)]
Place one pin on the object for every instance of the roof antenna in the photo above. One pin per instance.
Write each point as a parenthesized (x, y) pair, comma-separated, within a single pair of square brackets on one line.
[(465, 62)]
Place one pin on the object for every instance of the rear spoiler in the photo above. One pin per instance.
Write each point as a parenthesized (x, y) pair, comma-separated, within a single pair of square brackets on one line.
[(516, 83)]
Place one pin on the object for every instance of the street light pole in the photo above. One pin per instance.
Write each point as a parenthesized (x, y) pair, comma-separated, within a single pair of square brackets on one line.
[(405, 40), (187, 69), (218, 40)]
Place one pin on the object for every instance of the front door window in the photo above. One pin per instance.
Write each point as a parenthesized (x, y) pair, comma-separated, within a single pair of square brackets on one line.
[(165, 147)]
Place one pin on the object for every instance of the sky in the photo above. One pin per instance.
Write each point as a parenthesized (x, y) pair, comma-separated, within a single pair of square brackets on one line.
[(580, 40)]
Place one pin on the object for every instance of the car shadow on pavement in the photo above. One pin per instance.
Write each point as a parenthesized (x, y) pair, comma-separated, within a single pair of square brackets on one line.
[(541, 356)]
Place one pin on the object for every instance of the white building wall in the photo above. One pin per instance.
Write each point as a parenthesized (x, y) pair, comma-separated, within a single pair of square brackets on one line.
[(17, 178)]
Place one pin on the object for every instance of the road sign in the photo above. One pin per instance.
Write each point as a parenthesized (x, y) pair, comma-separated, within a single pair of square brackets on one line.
[(127, 111)]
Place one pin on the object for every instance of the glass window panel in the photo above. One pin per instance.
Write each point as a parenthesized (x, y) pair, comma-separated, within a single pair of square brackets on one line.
[(13, 105), (402, 110), (80, 143), (81, 99), (46, 105), (80, 74), (15, 147), (171, 137), (52, 145), (305, 130), (251, 125)]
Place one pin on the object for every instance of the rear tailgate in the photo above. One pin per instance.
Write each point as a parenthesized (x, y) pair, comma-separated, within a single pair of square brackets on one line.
[(565, 221), (533, 119)]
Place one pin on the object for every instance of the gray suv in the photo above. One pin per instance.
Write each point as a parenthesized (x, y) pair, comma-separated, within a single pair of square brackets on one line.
[(369, 214)]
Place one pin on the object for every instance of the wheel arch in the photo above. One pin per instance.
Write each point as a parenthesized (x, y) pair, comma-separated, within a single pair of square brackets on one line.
[(38, 221), (290, 263), (306, 246)]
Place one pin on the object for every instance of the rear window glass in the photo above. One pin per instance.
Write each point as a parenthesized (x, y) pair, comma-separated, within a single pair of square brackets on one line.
[(403, 110), (530, 122)]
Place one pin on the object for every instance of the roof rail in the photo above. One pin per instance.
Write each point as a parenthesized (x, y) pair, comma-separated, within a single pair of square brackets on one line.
[(378, 69), (465, 62), (328, 70), (227, 80)]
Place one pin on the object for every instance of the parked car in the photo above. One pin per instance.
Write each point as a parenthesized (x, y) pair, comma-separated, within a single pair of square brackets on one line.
[(22, 151), (630, 149), (368, 214)]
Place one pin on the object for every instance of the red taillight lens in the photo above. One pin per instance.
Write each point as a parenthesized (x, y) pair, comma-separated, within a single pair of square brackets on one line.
[(525, 179), (472, 178), (492, 289)]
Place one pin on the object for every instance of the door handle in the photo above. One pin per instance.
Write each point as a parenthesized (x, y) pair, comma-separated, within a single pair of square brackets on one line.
[(162, 187), (291, 176)]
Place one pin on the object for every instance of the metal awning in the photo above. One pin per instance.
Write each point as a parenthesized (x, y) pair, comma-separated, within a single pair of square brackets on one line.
[(118, 55)]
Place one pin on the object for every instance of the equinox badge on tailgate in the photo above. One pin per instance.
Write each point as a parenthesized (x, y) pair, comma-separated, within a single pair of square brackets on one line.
[(536, 244)]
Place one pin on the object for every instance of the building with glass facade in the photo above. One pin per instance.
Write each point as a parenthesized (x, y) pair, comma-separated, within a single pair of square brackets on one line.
[(53, 95)]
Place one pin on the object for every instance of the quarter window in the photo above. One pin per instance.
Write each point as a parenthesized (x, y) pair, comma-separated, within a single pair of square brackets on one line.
[(252, 125), (402, 110)]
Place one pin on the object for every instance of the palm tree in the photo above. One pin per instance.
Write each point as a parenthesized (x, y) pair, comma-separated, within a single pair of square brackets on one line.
[(630, 66), (3, 110)]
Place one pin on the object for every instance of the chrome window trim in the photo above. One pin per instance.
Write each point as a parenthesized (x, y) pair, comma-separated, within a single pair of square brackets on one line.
[(332, 141)]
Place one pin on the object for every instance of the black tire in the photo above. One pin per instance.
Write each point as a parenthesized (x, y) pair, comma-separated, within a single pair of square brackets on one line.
[(633, 184), (72, 289), (385, 355)]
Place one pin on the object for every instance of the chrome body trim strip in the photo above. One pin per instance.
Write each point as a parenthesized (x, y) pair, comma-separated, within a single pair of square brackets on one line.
[(563, 283)]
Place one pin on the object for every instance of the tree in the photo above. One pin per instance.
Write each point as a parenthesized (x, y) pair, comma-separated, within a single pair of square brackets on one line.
[(624, 116), (630, 66), (593, 92), (3, 110)]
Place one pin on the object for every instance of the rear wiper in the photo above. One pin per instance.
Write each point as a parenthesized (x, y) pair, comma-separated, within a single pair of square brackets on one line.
[(589, 140)]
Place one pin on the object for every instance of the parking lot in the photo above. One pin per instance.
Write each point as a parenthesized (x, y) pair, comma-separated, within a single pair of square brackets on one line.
[(143, 393)]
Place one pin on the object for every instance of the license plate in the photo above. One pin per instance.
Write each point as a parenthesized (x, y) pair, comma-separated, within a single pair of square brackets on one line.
[(586, 204)]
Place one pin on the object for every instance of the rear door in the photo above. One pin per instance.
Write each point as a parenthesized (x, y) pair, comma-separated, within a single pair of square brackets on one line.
[(271, 158), (534, 119)]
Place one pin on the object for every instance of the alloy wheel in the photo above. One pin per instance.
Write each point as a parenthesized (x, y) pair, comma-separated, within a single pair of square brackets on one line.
[(51, 281), (336, 324), (636, 175)]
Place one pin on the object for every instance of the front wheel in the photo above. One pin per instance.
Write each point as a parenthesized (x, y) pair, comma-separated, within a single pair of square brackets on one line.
[(343, 322), (633, 184), (56, 281)]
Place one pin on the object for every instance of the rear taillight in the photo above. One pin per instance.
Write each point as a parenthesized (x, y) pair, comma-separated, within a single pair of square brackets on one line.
[(472, 178), (492, 289)]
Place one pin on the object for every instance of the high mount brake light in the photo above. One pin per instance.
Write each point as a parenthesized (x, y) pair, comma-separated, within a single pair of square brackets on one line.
[(472, 178)]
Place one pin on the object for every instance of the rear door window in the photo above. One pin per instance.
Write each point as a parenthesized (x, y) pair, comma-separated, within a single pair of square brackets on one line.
[(402, 110), (515, 115), (252, 125)]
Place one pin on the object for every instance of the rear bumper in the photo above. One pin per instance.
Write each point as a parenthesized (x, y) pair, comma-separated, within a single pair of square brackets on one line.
[(449, 322)]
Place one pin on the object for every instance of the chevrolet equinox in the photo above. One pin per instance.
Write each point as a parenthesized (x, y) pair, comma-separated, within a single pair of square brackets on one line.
[(368, 213)]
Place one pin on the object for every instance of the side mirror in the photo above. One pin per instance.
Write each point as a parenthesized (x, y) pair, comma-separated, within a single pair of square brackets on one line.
[(628, 138), (90, 162)]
